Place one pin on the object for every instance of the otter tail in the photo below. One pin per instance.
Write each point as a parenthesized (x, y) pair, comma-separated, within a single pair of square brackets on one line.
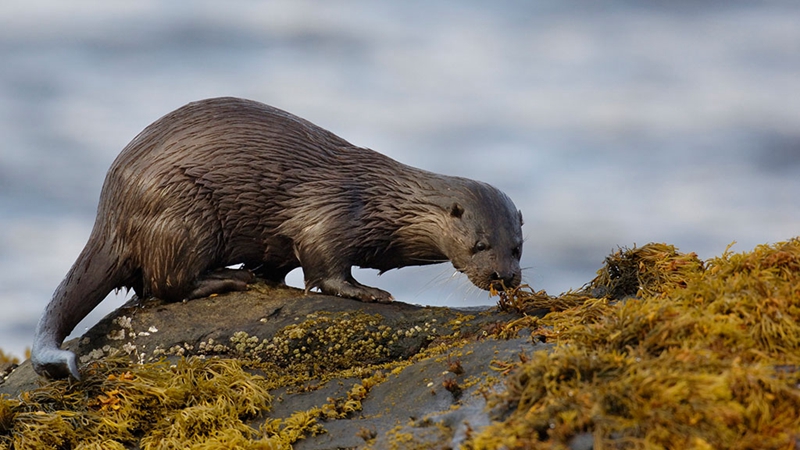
[(94, 274)]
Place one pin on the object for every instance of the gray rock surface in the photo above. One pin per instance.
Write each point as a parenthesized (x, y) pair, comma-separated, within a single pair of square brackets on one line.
[(410, 404)]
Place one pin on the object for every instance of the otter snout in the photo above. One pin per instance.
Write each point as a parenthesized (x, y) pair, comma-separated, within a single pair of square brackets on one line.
[(491, 267), (505, 279), (488, 278)]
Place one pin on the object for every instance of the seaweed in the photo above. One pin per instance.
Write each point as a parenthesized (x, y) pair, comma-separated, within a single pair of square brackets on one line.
[(659, 350), (155, 405), (195, 402), (677, 353), (7, 359)]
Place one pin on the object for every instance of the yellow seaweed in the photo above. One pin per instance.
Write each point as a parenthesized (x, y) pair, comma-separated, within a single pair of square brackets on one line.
[(677, 353), (660, 350)]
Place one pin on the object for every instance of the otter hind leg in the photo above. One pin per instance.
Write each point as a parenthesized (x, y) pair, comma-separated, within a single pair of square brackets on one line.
[(220, 281)]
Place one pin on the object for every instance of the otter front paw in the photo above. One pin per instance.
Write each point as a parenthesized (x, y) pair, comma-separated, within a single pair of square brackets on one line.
[(55, 364), (355, 290), (370, 294)]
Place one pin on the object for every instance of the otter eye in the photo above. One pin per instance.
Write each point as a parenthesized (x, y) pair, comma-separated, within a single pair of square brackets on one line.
[(479, 247), (516, 252)]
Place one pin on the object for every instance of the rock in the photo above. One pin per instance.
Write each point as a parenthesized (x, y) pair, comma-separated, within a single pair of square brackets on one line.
[(435, 396)]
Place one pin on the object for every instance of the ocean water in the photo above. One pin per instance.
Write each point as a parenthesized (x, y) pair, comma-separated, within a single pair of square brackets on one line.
[(608, 124)]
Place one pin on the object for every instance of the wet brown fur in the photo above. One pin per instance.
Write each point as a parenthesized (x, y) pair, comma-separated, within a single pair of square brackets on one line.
[(227, 181)]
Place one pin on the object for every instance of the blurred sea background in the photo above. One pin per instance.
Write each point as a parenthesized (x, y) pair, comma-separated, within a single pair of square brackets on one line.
[(608, 124)]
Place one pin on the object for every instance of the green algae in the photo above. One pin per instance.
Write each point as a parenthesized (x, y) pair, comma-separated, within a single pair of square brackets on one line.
[(676, 353)]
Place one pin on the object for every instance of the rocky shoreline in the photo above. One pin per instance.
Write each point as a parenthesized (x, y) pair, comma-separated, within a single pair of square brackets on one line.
[(660, 350)]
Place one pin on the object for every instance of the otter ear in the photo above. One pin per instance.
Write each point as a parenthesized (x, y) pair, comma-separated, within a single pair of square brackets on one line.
[(456, 210), (521, 222), (448, 205)]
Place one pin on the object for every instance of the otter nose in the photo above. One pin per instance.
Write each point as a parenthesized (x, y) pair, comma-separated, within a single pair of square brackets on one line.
[(500, 279)]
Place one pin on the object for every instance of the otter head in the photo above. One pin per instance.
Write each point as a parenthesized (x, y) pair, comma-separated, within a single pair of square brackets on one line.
[(483, 235)]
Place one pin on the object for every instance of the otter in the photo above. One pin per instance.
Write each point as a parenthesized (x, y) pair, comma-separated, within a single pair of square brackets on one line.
[(227, 181)]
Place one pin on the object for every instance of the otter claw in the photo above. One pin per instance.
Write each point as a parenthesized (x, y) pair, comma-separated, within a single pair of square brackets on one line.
[(388, 299)]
